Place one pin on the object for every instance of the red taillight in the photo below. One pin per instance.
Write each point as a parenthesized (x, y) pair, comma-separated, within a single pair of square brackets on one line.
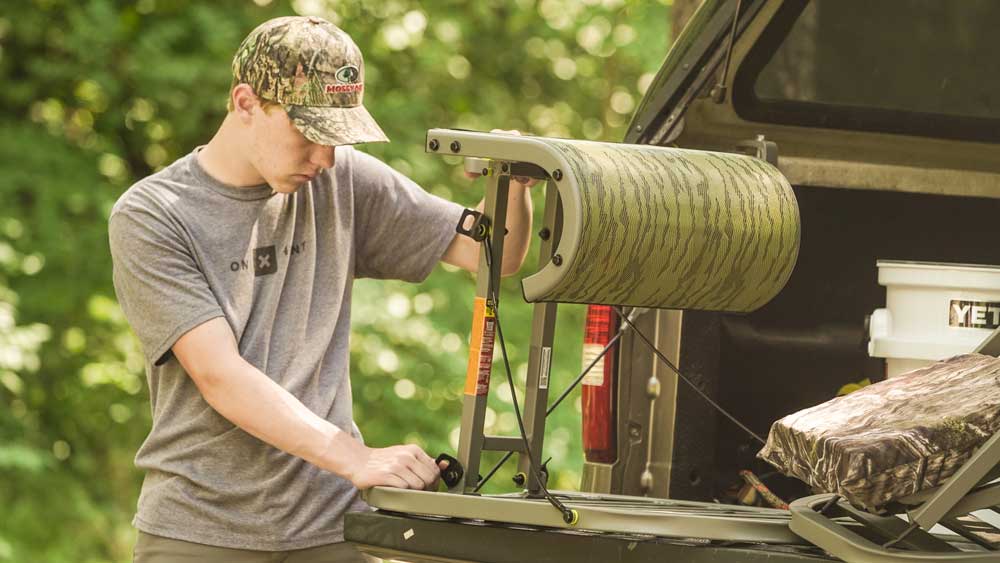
[(599, 424)]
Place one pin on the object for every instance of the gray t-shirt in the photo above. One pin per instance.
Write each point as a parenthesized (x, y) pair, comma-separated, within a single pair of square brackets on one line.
[(279, 268)]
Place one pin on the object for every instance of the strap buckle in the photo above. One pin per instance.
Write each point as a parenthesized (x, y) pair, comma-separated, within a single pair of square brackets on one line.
[(480, 228)]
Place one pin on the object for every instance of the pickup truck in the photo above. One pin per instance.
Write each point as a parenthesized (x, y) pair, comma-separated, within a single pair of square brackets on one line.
[(885, 119)]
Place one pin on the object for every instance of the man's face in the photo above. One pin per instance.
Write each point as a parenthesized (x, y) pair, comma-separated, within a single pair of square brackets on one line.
[(281, 154)]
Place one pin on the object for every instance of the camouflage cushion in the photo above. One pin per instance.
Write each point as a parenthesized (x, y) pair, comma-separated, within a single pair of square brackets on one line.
[(893, 438)]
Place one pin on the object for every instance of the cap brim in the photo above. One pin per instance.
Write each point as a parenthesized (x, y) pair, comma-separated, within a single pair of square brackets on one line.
[(336, 126)]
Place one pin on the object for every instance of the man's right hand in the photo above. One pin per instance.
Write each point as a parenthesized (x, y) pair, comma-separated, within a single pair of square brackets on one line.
[(251, 400), (403, 467)]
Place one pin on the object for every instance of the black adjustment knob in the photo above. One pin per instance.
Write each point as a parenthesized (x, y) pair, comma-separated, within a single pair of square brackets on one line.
[(519, 479), (451, 475)]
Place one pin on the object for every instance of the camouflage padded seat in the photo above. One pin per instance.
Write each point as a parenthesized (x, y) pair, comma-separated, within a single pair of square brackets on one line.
[(894, 438)]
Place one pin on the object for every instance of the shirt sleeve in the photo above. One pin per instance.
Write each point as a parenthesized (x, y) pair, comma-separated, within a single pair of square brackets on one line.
[(401, 230), (159, 285)]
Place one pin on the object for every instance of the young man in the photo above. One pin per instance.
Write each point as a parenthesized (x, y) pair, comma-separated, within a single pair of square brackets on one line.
[(234, 267)]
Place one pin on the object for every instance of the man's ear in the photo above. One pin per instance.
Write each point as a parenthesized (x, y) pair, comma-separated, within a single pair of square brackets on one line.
[(244, 101)]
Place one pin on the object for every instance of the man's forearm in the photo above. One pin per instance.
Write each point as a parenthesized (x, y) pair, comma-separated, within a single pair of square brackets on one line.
[(519, 212), (251, 400)]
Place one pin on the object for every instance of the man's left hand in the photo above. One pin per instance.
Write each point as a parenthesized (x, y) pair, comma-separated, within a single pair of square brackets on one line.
[(522, 180)]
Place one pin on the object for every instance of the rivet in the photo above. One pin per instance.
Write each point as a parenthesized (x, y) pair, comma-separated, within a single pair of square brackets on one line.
[(505, 168), (486, 171), (557, 174), (456, 146), (557, 259), (434, 145), (545, 233)]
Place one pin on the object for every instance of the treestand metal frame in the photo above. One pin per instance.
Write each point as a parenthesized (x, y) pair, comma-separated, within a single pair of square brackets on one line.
[(826, 521), (499, 157)]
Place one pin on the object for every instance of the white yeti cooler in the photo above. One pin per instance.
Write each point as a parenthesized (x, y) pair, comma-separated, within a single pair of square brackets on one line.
[(933, 311)]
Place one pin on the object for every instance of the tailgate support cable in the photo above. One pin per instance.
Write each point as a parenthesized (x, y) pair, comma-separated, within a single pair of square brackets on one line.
[(555, 403), (628, 324), (718, 92), (684, 378)]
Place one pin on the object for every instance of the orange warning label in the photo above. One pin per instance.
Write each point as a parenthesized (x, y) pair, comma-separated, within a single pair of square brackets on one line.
[(477, 375)]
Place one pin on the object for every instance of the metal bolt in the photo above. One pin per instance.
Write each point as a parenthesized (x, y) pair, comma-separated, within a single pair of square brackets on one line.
[(638, 127), (505, 168), (486, 171), (557, 259), (718, 93), (434, 145), (456, 146), (545, 233), (646, 480), (519, 479), (557, 174), (634, 432), (652, 387)]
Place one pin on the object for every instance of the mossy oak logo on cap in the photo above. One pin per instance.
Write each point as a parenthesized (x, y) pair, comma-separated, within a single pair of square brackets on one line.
[(348, 74), (347, 81)]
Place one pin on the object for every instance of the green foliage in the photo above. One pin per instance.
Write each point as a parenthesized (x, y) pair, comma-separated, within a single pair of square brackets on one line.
[(98, 94)]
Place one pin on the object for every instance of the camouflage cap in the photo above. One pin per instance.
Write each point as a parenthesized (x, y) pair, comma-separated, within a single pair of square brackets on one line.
[(316, 72)]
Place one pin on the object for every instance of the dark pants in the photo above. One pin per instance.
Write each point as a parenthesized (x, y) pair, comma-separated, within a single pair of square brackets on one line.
[(156, 549)]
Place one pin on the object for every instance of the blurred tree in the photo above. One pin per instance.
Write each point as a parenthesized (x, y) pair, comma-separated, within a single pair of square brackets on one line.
[(99, 93)]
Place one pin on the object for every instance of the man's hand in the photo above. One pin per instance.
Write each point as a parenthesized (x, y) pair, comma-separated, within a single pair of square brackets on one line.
[(251, 400), (523, 180), (464, 252), (403, 467)]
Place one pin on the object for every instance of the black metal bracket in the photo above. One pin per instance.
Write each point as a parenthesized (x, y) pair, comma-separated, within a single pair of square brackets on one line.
[(480, 228)]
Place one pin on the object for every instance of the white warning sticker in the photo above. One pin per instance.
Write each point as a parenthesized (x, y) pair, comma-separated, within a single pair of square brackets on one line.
[(596, 374), (545, 368)]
